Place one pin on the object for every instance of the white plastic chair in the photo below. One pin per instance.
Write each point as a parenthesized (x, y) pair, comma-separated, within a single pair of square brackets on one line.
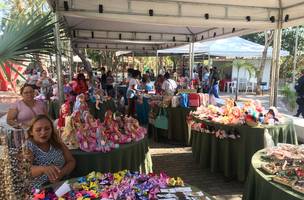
[(250, 87), (233, 86)]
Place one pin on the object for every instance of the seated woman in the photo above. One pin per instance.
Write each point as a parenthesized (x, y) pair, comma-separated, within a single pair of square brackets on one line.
[(23, 111), (51, 159)]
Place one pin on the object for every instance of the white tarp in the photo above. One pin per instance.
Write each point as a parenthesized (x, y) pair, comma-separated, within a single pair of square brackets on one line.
[(75, 59), (103, 24), (229, 47)]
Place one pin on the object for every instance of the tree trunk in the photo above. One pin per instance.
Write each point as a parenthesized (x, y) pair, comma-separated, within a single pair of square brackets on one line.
[(86, 63), (259, 74)]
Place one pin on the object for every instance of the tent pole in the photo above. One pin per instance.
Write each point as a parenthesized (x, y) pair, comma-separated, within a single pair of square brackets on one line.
[(191, 58), (295, 58), (209, 61), (157, 69), (275, 65), (70, 59), (133, 61), (58, 60)]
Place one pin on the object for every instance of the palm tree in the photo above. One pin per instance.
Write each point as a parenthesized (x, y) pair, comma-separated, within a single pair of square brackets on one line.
[(239, 64), (25, 36)]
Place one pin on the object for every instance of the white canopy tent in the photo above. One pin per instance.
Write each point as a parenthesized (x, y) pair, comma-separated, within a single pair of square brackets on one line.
[(150, 25), (75, 59), (229, 47), (157, 24)]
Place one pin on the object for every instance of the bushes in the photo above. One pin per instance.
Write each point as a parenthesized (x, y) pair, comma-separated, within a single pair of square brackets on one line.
[(290, 96)]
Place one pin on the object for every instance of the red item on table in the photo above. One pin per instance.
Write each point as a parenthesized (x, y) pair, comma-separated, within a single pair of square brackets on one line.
[(194, 100)]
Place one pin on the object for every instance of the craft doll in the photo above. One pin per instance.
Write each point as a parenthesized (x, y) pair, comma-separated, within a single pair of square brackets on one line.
[(132, 128), (63, 113), (72, 124), (81, 105), (112, 129), (271, 116)]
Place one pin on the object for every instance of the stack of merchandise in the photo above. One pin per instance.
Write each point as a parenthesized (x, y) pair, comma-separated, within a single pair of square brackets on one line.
[(286, 163), (250, 113), (121, 185), (93, 136)]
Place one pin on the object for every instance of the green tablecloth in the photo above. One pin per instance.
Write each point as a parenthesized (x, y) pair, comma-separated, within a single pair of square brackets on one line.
[(232, 157), (260, 187), (177, 127), (99, 114), (134, 156)]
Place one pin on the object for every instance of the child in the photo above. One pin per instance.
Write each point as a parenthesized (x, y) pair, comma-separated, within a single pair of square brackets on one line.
[(51, 159)]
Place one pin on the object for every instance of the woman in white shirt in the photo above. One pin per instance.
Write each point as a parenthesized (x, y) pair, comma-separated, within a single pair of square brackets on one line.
[(131, 92), (169, 85)]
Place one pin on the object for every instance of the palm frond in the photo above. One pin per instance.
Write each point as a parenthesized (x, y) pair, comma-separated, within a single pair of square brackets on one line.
[(24, 36), (245, 65)]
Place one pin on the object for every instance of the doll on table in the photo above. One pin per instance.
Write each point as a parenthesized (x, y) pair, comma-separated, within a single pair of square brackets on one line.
[(72, 125), (81, 106), (271, 117), (111, 129), (133, 129), (63, 113)]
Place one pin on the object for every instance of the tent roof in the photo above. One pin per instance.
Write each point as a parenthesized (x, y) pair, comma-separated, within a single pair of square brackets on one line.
[(158, 24), (229, 47)]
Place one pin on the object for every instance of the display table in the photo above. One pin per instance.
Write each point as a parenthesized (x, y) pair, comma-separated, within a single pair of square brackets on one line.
[(232, 156), (134, 156), (177, 127), (259, 185)]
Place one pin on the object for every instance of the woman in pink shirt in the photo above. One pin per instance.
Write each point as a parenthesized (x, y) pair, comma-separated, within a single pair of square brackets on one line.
[(23, 111)]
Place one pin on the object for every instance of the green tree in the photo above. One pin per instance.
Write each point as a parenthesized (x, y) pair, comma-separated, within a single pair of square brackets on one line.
[(24, 37)]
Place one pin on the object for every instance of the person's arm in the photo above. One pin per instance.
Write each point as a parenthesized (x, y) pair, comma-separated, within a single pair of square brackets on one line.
[(52, 172), (69, 162), (12, 117)]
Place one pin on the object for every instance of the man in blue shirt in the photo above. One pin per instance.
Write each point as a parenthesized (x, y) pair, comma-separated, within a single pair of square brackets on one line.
[(300, 91)]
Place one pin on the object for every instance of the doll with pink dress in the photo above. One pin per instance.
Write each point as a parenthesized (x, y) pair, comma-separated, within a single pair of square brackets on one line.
[(72, 125), (133, 129), (81, 105), (111, 129)]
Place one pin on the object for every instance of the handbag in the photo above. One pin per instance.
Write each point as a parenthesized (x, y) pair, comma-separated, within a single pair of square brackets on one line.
[(161, 120)]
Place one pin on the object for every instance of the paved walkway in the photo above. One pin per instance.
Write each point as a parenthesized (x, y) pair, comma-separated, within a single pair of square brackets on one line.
[(178, 161)]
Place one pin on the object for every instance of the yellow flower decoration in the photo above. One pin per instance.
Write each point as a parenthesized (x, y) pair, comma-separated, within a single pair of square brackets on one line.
[(93, 184), (85, 187), (99, 175), (179, 181), (117, 177), (171, 182), (91, 175)]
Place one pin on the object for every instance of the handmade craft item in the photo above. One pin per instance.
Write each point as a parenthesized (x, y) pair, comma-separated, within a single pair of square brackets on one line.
[(120, 185), (63, 113), (72, 125)]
